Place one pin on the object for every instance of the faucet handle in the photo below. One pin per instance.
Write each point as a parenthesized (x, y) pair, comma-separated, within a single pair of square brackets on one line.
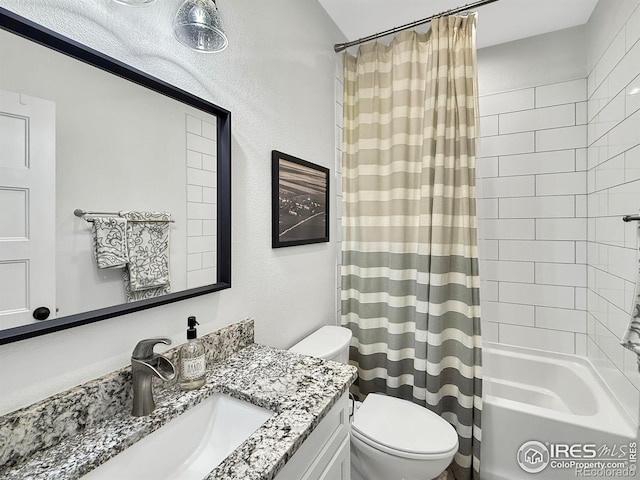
[(144, 348)]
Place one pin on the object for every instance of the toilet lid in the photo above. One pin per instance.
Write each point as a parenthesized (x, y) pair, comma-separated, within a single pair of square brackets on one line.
[(404, 426)]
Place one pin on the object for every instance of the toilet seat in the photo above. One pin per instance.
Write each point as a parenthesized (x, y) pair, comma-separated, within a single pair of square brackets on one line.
[(403, 429)]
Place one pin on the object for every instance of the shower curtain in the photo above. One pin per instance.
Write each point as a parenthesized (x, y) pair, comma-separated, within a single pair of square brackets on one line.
[(410, 285)]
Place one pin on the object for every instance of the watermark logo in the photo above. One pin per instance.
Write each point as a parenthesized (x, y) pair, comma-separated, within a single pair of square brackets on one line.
[(584, 459), (533, 457)]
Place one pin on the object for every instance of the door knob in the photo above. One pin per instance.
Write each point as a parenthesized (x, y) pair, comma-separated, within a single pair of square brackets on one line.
[(41, 313)]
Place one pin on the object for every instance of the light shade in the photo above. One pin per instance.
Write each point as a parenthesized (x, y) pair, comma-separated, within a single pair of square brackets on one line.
[(198, 26), (136, 3)]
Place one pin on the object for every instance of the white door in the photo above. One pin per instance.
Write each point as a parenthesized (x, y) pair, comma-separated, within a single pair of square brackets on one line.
[(27, 208)]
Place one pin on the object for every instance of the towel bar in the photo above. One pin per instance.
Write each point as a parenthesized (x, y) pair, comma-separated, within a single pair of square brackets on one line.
[(78, 212), (631, 218)]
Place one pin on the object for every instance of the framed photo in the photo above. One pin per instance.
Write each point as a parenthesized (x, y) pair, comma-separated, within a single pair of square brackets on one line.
[(300, 201)]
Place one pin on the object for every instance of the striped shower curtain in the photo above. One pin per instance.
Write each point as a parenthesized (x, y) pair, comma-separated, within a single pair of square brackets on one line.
[(410, 285)]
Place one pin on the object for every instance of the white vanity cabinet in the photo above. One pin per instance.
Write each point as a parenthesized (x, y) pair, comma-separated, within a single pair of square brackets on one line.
[(325, 453)]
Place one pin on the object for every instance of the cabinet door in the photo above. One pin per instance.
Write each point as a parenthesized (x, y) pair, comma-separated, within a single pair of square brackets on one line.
[(339, 467)]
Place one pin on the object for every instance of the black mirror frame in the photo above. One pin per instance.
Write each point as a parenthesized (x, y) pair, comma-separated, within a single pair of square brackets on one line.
[(13, 23)]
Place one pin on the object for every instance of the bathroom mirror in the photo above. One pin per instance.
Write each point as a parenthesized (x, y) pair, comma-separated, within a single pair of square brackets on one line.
[(81, 130)]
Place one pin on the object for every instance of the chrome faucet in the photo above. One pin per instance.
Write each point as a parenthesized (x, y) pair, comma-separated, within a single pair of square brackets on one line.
[(145, 364)]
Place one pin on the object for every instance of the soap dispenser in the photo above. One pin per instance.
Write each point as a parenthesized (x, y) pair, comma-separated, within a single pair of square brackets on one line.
[(192, 362)]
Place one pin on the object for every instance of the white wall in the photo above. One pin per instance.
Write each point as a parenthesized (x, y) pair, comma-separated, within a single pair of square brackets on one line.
[(613, 186), (277, 78)]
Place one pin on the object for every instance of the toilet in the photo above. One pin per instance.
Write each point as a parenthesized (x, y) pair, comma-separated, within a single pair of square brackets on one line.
[(391, 438)]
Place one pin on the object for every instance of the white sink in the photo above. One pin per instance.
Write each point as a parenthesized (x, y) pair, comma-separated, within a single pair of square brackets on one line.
[(189, 446)]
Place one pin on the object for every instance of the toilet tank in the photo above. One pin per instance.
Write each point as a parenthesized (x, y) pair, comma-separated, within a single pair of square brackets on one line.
[(328, 343)]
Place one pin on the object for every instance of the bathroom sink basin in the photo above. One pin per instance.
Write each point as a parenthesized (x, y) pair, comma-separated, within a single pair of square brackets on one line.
[(189, 446)]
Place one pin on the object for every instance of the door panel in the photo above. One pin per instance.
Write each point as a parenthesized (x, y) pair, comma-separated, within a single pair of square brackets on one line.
[(27, 207)]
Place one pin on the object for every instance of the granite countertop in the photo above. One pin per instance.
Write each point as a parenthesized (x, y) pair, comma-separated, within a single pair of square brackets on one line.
[(299, 389)]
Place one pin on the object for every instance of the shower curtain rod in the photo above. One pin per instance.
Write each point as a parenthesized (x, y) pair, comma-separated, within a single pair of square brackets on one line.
[(338, 47)]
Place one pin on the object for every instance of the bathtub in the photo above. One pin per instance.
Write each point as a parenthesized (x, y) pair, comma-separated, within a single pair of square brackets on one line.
[(531, 395)]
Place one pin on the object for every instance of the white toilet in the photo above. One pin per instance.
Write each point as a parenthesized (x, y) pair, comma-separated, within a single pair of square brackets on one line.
[(391, 438)]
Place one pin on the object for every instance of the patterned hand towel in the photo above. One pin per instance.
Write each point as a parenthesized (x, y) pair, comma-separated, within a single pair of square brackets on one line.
[(109, 241), (147, 273), (631, 339)]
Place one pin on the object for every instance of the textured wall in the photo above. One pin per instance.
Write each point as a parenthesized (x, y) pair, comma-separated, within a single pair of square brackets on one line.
[(277, 78)]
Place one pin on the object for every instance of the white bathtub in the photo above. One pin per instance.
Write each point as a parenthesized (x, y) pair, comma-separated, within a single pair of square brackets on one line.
[(534, 395)]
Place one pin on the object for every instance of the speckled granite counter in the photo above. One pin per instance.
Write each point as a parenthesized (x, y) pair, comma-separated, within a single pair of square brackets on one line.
[(299, 389)]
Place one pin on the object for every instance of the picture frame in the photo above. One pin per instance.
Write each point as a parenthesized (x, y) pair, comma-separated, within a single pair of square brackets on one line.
[(300, 201)]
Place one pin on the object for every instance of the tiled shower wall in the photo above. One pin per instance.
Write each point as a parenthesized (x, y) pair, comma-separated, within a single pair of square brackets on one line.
[(201, 202), (532, 209), (613, 187)]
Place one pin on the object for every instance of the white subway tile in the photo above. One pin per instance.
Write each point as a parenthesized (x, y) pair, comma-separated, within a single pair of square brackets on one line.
[(209, 130), (489, 331), (598, 100), (508, 229), (630, 364), (624, 135), (625, 71), (610, 58), (624, 199), (489, 126), (540, 295), (488, 291), (507, 144), (200, 177), (632, 96), (581, 113), (612, 289), (200, 244), (561, 229), (621, 262), (200, 278), (561, 319), (632, 29), (543, 162), (561, 183), (194, 193), (201, 211), (194, 125), (487, 167), (488, 249), (209, 227), (581, 159), (581, 252), (609, 117), (610, 173), (194, 228), (487, 208), (537, 251), (571, 275), (520, 186), (194, 159), (508, 271), (209, 195), (581, 206), (610, 230), (194, 261), (537, 207), (209, 162), (617, 321), (506, 102), (559, 93), (561, 138), (632, 165), (610, 345), (581, 298), (538, 119), (209, 260), (201, 144), (539, 338), (509, 313), (581, 344)]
